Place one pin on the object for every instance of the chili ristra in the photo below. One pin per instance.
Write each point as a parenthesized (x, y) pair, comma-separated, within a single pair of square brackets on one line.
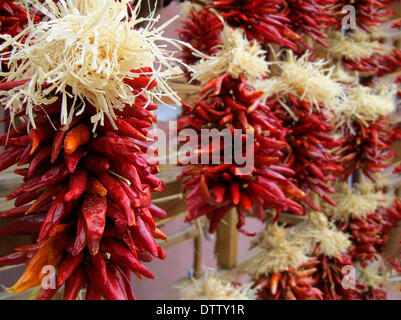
[(84, 219)]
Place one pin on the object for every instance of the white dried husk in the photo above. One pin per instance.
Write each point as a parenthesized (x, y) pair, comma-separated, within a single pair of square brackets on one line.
[(311, 81), (354, 202), (319, 231), (279, 253), (213, 287), (83, 50), (372, 276), (365, 104), (237, 56), (355, 45)]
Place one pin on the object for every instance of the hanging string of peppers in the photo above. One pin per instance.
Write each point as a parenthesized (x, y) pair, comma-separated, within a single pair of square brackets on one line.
[(85, 140)]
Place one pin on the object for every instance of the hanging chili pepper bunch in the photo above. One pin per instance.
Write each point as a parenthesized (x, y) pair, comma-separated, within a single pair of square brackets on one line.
[(202, 31), (310, 18), (366, 141), (330, 246), (367, 13), (229, 102), (358, 214), (302, 97), (378, 64), (291, 284), (282, 271), (261, 20), (214, 189), (90, 181), (360, 51), (390, 217), (370, 281), (304, 263)]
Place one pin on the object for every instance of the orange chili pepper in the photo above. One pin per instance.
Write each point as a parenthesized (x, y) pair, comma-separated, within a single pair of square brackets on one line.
[(95, 187), (76, 137), (49, 254)]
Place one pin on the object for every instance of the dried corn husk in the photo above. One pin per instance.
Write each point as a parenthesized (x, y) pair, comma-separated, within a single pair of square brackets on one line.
[(318, 230), (85, 49), (311, 81), (237, 56), (213, 287), (365, 103), (280, 253), (355, 45), (354, 202)]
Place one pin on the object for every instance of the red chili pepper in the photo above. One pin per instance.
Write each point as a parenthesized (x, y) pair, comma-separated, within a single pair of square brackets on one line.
[(12, 259), (40, 158), (56, 213), (67, 266), (94, 211), (122, 256), (77, 186), (74, 284), (24, 225), (117, 194), (26, 198), (76, 137), (92, 293), (10, 157), (72, 159), (95, 163)]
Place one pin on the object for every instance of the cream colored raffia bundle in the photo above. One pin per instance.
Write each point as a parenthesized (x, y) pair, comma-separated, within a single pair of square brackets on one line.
[(237, 56), (319, 231), (355, 45), (85, 49), (278, 255), (371, 276), (354, 202), (365, 104), (311, 81), (213, 287)]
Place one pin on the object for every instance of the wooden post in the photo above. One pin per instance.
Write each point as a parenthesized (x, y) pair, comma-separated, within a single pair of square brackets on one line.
[(197, 256), (226, 248)]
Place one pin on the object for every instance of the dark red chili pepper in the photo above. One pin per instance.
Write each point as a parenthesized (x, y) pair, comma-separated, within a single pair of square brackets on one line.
[(77, 186), (74, 283), (122, 256), (94, 211), (67, 266)]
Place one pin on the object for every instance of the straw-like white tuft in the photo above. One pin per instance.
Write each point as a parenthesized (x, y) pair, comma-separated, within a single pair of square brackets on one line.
[(237, 56), (213, 287), (83, 50), (354, 202), (365, 103), (355, 45), (318, 230), (279, 253), (311, 81)]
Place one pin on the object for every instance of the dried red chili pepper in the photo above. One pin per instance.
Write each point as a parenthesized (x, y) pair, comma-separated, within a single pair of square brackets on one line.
[(214, 189)]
